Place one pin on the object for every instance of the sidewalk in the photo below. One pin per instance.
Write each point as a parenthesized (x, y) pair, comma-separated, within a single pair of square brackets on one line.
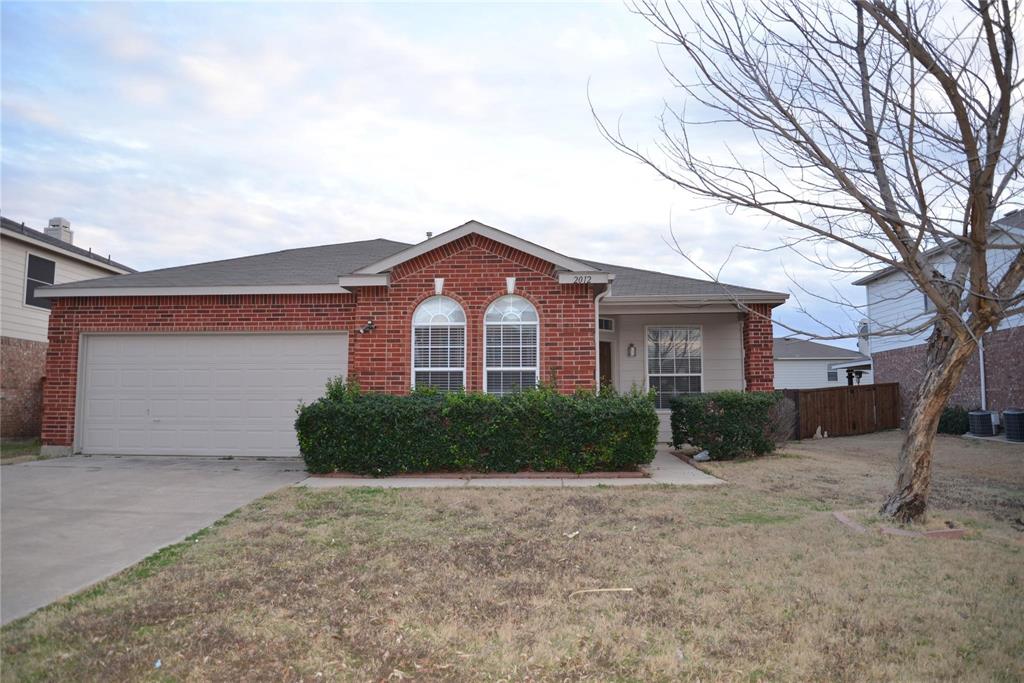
[(666, 469)]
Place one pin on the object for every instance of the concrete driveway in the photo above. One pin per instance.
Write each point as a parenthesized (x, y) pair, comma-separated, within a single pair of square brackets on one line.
[(67, 523)]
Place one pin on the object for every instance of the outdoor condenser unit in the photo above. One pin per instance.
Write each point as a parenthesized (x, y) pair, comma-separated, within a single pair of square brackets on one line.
[(1013, 423), (982, 422)]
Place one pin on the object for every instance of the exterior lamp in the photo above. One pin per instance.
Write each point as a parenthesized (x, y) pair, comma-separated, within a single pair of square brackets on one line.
[(631, 350)]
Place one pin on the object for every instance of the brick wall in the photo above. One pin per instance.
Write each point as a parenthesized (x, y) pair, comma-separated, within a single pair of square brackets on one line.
[(22, 364), (1004, 372), (758, 365), (474, 269)]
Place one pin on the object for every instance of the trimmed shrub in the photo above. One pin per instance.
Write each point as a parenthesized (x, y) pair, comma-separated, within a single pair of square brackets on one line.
[(729, 424), (954, 420), (380, 434)]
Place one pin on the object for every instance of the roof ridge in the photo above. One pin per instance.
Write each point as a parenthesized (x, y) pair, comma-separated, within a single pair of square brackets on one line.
[(68, 247)]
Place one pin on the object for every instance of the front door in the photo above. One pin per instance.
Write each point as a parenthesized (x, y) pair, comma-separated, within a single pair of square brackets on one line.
[(604, 363)]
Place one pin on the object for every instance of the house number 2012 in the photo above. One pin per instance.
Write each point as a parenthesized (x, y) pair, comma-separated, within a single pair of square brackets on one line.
[(581, 279)]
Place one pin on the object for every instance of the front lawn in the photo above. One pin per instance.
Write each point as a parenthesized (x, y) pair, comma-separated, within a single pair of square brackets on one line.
[(749, 581)]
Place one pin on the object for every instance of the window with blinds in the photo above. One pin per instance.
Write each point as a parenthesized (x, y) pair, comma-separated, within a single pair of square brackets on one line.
[(439, 345), (674, 363), (511, 345)]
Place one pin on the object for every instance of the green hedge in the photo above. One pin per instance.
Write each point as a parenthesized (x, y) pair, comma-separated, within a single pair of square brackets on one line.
[(954, 420), (369, 433), (729, 424)]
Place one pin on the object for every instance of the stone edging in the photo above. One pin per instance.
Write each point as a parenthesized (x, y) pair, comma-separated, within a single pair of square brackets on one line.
[(492, 475), (856, 527)]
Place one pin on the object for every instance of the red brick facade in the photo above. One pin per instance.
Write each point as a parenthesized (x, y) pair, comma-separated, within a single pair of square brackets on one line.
[(1004, 372), (758, 363), (474, 269), (21, 396)]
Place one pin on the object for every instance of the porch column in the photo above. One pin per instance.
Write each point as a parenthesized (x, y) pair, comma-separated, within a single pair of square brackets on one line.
[(758, 364)]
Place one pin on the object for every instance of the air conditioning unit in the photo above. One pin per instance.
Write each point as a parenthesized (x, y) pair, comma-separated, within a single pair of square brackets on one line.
[(983, 422), (1013, 423)]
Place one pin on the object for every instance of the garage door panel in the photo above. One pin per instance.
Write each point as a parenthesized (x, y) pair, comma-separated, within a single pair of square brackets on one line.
[(202, 394), (129, 408)]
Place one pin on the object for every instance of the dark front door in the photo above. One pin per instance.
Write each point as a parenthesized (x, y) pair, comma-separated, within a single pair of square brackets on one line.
[(604, 362)]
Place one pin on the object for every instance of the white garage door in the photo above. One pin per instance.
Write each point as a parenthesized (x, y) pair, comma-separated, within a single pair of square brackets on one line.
[(203, 394)]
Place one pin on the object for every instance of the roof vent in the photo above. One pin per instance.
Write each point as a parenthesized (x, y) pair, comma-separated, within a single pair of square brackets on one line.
[(60, 228)]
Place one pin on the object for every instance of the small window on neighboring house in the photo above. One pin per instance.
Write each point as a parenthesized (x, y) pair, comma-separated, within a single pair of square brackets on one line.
[(40, 273), (929, 305), (833, 375)]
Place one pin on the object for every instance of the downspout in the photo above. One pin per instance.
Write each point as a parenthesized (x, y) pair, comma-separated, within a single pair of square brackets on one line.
[(597, 338), (981, 371)]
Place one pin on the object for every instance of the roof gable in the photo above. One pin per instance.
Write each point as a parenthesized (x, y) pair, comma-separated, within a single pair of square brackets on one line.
[(474, 227)]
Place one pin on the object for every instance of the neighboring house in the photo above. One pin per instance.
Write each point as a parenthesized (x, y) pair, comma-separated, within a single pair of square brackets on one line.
[(803, 364), (994, 377), (212, 359), (34, 259)]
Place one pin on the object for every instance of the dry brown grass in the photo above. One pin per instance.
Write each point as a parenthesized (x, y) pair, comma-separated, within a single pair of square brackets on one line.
[(749, 581)]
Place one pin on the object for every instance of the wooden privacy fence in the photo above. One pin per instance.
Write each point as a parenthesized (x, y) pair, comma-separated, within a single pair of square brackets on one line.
[(842, 411)]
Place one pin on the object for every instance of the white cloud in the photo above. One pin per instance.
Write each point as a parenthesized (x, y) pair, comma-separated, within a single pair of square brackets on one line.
[(241, 129)]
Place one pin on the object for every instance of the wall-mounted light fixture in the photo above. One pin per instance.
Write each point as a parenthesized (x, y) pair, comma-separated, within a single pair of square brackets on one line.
[(631, 350), (368, 327)]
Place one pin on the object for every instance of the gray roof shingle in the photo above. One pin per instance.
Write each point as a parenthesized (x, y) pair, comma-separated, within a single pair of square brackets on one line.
[(324, 264), (303, 266), (795, 349), (637, 282)]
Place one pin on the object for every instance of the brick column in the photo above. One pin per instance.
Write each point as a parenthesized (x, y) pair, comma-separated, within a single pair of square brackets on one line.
[(758, 364)]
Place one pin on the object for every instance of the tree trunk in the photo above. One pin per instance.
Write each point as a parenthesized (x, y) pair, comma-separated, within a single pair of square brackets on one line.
[(946, 360)]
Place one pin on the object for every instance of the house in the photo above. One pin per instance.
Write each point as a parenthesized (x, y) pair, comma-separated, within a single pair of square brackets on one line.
[(994, 377), (32, 259), (212, 358), (801, 364)]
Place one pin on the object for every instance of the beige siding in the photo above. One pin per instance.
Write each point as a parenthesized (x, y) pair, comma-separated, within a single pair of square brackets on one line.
[(16, 318), (722, 348), (722, 353)]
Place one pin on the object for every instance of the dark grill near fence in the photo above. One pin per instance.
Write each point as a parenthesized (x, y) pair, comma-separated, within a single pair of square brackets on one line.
[(843, 411)]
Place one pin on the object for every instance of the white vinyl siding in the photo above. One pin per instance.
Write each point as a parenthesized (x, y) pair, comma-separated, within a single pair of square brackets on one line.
[(896, 303), (201, 394), (511, 346), (439, 345), (811, 373), (17, 319)]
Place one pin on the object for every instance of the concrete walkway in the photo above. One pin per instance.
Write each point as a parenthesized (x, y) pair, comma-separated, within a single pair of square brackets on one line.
[(666, 469), (67, 523)]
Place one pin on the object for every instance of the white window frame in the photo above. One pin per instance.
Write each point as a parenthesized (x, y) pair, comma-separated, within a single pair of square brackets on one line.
[(25, 278), (647, 367), (611, 324), (829, 377), (412, 341), (536, 368)]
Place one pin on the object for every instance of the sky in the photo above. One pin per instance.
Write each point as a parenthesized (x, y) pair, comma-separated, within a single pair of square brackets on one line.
[(171, 134)]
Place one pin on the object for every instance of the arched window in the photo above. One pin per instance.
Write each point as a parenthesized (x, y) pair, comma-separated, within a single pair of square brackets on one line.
[(439, 345), (511, 345)]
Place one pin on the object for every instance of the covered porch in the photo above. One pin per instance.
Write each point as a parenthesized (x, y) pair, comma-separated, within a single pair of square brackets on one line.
[(678, 348)]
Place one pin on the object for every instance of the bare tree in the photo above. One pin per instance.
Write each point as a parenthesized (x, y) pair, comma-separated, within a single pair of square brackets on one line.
[(884, 132)]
